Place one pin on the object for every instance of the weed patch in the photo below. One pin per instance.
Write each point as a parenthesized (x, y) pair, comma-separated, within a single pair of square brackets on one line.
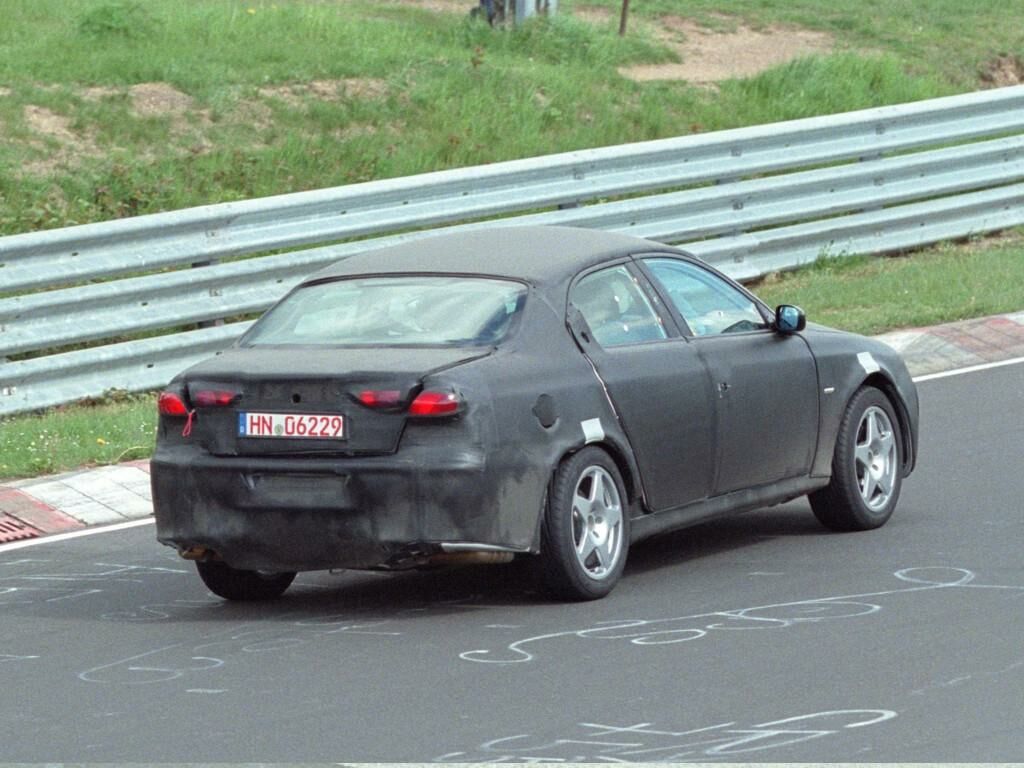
[(129, 20)]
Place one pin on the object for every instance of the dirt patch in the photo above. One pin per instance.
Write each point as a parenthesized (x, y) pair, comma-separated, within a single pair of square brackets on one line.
[(295, 94), (441, 6), (158, 100), (593, 14), (41, 120), (253, 113), (147, 99), (709, 56), (1003, 71), (55, 129), (5, 91), (99, 92)]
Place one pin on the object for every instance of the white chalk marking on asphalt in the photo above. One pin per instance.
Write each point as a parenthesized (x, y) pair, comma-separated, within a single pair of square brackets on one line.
[(73, 535), (969, 369)]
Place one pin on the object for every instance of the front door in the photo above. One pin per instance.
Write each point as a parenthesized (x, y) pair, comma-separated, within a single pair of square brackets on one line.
[(765, 384)]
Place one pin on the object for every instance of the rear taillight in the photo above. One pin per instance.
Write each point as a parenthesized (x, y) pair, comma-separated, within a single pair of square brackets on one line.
[(435, 404), (380, 398), (171, 404), (213, 398)]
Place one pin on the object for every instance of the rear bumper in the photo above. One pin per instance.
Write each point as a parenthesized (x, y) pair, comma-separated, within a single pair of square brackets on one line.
[(300, 514)]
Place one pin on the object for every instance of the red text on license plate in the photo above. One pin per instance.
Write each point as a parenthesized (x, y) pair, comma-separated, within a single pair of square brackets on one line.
[(309, 425)]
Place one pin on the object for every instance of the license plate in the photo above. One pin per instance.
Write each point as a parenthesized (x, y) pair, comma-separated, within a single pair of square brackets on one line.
[(304, 425)]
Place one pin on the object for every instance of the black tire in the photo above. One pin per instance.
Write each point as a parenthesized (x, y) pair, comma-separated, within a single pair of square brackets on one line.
[(235, 584), (583, 551), (866, 471)]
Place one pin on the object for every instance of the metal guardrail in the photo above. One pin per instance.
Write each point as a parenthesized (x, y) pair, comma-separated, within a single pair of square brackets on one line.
[(751, 201)]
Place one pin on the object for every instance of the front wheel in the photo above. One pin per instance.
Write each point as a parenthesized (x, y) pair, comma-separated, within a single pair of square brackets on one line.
[(585, 534), (866, 466), (236, 584)]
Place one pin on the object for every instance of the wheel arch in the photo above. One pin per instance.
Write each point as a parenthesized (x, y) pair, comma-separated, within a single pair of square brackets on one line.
[(634, 491), (880, 381)]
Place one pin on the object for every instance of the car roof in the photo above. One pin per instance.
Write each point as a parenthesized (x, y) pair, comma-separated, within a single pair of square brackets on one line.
[(536, 254)]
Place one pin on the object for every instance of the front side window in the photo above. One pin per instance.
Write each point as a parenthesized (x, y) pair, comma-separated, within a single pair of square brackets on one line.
[(616, 309), (393, 311), (708, 304)]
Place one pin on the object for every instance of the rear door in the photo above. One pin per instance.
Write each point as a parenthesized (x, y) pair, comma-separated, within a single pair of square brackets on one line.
[(658, 384), (765, 384)]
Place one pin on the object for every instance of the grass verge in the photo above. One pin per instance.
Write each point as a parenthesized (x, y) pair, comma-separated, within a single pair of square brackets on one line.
[(861, 294), (871, 295), (112, 108), (77, 435)]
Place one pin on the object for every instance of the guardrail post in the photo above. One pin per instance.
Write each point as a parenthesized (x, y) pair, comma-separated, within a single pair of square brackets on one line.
[(220, 320), (879, 180), (524, 10)]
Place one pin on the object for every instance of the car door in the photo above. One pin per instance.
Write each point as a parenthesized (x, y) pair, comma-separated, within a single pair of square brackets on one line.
[(658, 384), (765, 383)]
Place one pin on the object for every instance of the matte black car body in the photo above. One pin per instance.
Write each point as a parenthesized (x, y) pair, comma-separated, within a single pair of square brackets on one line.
[(696, 426)]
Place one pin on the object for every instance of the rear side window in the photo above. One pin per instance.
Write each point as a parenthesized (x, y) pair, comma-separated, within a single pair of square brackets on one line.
[(393, 311), (615, 308)]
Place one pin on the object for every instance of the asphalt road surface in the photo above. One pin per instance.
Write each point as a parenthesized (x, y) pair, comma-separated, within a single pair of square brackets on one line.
[(758, 638)]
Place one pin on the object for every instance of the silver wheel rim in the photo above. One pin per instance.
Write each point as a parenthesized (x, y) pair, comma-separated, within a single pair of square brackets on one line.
[(875, 460), (597, 522)]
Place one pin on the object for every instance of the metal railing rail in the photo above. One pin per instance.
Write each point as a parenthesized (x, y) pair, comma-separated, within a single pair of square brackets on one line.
[(874, 180), (105, 310), (74, 254)]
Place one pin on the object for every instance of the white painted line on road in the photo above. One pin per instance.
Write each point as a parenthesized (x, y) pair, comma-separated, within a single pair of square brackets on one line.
[(971, 369), (73, 535)]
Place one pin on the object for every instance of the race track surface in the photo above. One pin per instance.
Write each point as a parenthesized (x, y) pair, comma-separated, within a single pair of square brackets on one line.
[(758, 638)]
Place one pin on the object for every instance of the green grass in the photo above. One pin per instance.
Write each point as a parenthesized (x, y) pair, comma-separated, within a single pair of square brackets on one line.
[(870, 295), (446, 91), (77, 435), (948, 38)]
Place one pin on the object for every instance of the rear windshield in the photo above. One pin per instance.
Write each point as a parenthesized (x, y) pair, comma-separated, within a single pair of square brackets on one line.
[(393, 311)]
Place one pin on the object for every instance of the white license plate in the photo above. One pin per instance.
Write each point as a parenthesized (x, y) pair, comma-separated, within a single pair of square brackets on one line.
[(304, 425)]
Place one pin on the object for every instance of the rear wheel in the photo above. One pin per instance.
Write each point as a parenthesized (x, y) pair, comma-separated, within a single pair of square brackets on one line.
[(866, 466), (235, 584), (585, 535)]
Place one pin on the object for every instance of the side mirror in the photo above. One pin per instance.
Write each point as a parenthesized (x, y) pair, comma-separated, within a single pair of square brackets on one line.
[(789, 319)]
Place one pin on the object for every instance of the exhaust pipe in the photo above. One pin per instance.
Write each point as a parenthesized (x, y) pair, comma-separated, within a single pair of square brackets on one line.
[(197, 553), (471, 558)]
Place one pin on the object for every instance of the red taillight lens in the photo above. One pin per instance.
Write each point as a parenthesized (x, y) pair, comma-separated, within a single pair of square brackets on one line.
[(170, 404), (435, 404), (380, 398), (213, 398)]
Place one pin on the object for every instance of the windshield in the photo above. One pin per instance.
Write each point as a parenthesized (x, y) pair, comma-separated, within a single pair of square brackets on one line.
[(393, 311)]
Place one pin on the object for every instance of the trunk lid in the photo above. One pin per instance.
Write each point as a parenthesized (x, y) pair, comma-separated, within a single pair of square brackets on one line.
[(306, 390)]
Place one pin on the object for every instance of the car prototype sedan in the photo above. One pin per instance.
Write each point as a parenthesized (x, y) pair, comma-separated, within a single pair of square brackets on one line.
[(542, 392)]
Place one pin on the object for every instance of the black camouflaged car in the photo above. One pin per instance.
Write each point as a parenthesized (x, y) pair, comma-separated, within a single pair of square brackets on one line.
[(541, 392)]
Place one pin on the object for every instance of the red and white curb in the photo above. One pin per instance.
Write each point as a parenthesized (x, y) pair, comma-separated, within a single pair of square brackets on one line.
[(68, 502), (958, 345)]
